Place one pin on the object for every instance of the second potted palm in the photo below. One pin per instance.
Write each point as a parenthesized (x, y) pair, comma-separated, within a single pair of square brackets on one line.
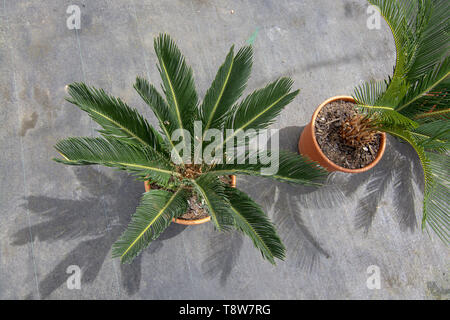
[(412, 104)]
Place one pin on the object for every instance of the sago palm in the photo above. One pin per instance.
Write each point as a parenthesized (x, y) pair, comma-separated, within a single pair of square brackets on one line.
[(129, 143), (413, 103)]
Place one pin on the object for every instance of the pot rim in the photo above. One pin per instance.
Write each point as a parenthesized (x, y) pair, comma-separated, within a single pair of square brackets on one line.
[(325, 158), (196, 221)]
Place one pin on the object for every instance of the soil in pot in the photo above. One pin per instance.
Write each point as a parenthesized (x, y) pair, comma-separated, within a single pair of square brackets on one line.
[(196, 210), (327, 129)]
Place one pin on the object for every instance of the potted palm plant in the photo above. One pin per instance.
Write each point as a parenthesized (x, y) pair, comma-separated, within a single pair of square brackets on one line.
[(176, 186), (412, 104)]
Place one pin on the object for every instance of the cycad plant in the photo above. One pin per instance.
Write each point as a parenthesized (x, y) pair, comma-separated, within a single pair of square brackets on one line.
[(413, 103), (129, 143)]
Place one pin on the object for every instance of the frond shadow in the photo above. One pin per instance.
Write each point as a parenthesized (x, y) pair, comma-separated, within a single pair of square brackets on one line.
[(98, 219), (400, 169), (286, 205), (222, 253)]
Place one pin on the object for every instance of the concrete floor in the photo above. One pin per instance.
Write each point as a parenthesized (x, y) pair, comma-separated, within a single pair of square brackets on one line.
[(53, 216)]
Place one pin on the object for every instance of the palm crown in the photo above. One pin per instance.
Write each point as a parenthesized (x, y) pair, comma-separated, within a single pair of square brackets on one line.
[(129, 143), (413, 104)]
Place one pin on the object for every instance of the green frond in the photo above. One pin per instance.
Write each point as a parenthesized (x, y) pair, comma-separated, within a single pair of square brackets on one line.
[(165, 115), (259, 109), (433, 41), (368, 97), (227, 88), (425, 117), (146, 163), (252, 221), (437, 205), (292, 167), (385, 116), (369, 93), (433, 136), (117, 119), (420, 29), (420, 88), (397, 14), (408, 137), (211, 190), (152, 217), (432, 106), (178, 82)]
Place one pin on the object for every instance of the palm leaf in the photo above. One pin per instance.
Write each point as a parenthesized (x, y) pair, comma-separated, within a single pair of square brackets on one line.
[(211, 190), (165, 115), (292, 167), (369, 93), (443, 114), (152, 217), (252, 221), (259, 109), (433, 40), (178, 82), (226, 88), (397, 14), (368, 98), (145, 163), (117, 119), (432, 106), (420, 29), (433, 136), (437, 204), (420, 88), (413, 27)]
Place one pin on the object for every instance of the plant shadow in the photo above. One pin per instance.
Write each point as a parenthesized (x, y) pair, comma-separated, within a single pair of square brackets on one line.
[(400, 169), (287, 204), (99, 217), (222, 252)]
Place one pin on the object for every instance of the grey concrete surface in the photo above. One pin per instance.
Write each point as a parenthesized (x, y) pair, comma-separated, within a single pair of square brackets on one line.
[(53, 216)]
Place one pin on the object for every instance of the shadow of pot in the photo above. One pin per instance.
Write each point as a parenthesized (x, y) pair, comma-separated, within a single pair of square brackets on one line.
[(194, 221), (308, 145)]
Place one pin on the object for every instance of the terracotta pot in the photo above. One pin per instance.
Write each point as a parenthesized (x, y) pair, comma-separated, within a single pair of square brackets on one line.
[(191, 222), (308, 145)]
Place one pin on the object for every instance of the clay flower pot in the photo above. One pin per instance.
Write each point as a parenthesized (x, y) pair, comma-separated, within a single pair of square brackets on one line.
[(308, 145), (191, 222)]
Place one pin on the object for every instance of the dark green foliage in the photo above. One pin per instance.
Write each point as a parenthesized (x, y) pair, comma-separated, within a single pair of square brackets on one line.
[(131, 144), (152, 217), (252, 221)]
